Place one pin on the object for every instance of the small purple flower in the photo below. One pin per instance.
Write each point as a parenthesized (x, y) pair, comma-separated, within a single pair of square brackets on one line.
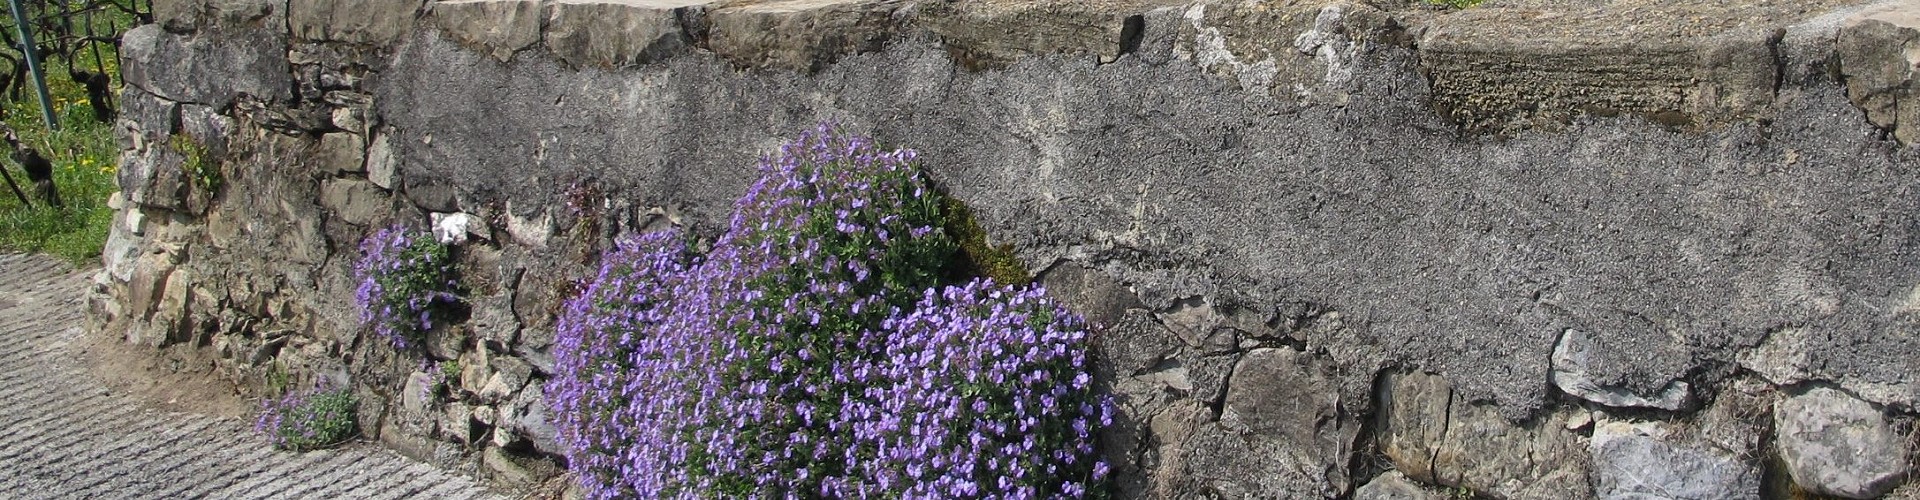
[(404, 278), (816, 350)]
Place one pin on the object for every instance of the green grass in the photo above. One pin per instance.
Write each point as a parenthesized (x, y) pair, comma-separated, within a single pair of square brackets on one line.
[(84, 158)]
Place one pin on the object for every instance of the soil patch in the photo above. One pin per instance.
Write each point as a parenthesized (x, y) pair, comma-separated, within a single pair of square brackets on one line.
[(179, 378)]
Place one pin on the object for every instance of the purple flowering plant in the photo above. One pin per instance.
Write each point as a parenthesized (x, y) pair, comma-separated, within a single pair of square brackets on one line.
[(309, 420), (819, 350), (406, 281)]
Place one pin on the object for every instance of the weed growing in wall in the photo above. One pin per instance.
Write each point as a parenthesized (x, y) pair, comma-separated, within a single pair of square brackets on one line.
[(818, 350), (405, 283), (202, 172), (308, 420)]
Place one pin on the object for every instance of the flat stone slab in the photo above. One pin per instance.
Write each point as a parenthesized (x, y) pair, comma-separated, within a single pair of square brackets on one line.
[(67, 437)]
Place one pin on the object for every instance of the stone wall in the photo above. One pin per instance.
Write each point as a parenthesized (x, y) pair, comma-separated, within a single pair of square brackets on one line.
[(1532, 249)]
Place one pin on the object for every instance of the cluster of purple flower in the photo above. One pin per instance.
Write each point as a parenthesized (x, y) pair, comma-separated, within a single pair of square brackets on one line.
[(308, 420), (815, 351), (405, 278)]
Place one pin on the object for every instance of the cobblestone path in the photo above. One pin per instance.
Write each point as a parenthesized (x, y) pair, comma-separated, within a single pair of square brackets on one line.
[(63, 436)]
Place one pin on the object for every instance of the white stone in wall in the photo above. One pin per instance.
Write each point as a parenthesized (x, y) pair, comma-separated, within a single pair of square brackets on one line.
[(1392, 485), (451, 229), (1570, 361), (1635, 460)]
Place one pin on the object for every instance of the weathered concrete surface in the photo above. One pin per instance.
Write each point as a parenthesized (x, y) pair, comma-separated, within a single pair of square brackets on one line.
[(1372, 188), (68, 437), (1686, 244)]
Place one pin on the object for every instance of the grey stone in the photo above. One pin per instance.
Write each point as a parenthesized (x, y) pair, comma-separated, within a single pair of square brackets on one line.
[(341, 152), (493, 319), (1653, 70), (1291, 398), (381, 168), (618, 33), (1571, 358), (431, 195), (505, 468), (353, 21), (1879, 50), (146, 118), (799, 36), (456, 423), (208, 128), (995, 34), (1648, 460), (155, 177), (414, 393), (355, 201), (371, 411), (474, 369), (510, 374), (502, 27), (531, 231), (122, 249), (528, 418), (1790, 356), (1835, 444), (204, 69), (1392, 485), (191, 15)]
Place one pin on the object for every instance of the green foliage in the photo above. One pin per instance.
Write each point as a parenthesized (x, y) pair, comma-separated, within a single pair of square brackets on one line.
[(277, 378), (83, 153), (1455, 4), (976, 256), (203, 172), (407, 282), (448, 375), (310, 421)]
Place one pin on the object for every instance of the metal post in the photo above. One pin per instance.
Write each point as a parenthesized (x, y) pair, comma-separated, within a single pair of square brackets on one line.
[(33, 63)]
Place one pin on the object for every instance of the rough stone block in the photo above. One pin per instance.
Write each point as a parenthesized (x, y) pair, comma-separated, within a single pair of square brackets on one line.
[(493, 319), (1834, 444), (207, 70), (190, 15), (619, 33), (1506, 68), (456, 423), (414, 395), (994, 34), (208, 128), (510, 374), (527, 416), (1291, 399), (1392, 485), (146, 117), (355, 201), (505, 468), (341, 152), (1571, 358), (1879, 52), (1648, 460), (502, 27), (1435, 436), (382, 164), (800, 35), (352, 21)]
